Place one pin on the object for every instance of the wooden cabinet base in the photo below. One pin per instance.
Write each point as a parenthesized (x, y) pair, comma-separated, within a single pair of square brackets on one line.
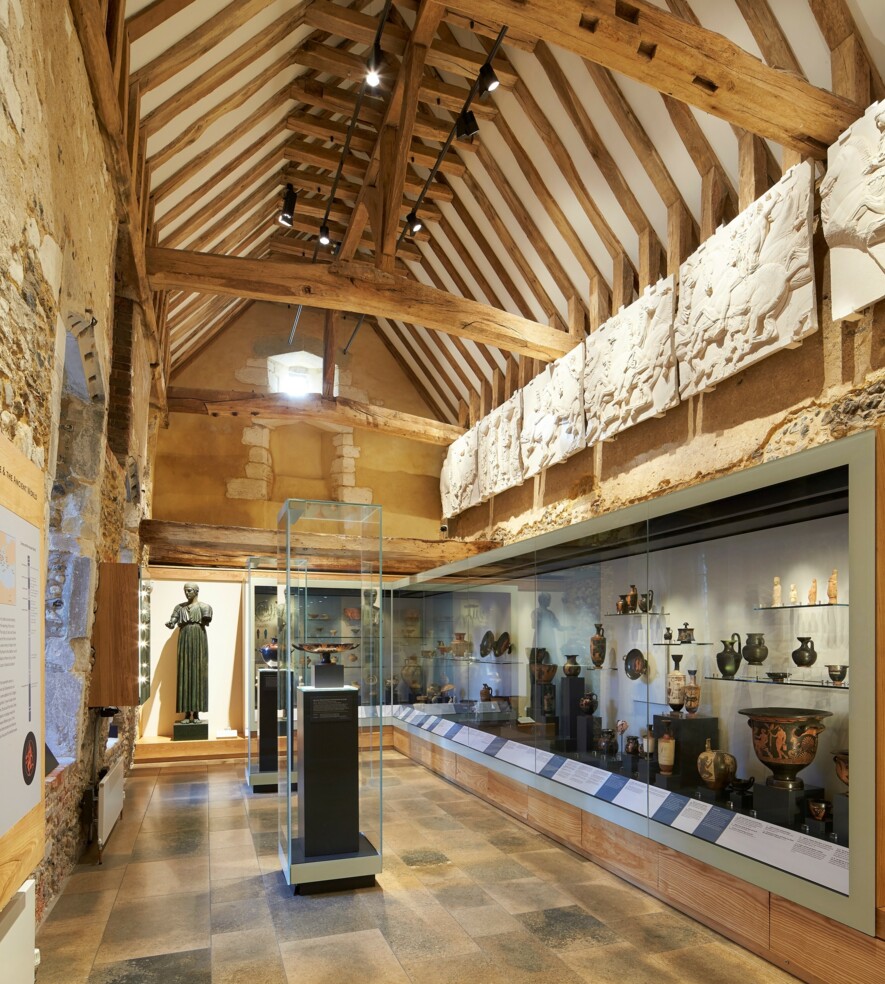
[(804, 943)]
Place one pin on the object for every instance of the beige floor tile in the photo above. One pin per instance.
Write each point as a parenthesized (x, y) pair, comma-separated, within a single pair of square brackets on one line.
[(719, 963), (247, 958), (527, 895), (94, 879), (171, 876), (364, 955), (621, 963), (486, 920), (149, 926)]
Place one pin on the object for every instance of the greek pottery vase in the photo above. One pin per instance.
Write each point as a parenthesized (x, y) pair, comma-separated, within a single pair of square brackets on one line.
[(598, 644), (588, 703), (685, 634), (270, 653), (544, 672), (606, 742), (538, 655), (413, 674), (785, 740), (621, 606), (692, 693), (666, 751), (632, 745), (837, 673), (632, 598), (676, 688), (755, 652), (841, 760), (729, 660), (570, 667), (820, 809), (648, 744), (716, 768), (806, 654), (485, 693), (646, 601), (460, 645), (668, 634)]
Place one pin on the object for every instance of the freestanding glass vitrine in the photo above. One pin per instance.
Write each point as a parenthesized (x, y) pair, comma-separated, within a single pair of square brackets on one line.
[(263, 610), (329, 674)]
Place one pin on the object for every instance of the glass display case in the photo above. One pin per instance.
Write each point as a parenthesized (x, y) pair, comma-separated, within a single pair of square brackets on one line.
[(144, 636), (263, 611), (329, 680), (697, 668)]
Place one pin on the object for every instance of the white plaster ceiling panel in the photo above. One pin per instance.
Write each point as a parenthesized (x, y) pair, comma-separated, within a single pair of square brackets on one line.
[(458, 480), (853, 213), (869, 16), (553, 414), (630, 365), (748, 291), (498, 450)]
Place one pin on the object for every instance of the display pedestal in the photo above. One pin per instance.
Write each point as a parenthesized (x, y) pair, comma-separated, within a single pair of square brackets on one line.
[(588, 729), (785, 807), (327, 675), (328, 784), (691, 734), (647, 770), (819, 828), (570, 693), (267, 728), (671, 783), (611, 763), (739, 801), (630, 765), (706, 795), (840, 818), (543, 702), (190, 731)]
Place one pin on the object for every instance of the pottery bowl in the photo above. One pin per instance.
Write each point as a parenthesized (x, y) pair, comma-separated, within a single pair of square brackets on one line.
[(778, 677), (837, 672), (841, 760), (819, 809), (543, 672), (742, 785), (785, 740)]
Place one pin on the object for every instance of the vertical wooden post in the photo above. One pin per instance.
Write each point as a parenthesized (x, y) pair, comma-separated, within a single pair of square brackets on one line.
[(649, 258), (600, 303), (329, 327), (713, 197), (752, 169), (680, 237), (622, 282)]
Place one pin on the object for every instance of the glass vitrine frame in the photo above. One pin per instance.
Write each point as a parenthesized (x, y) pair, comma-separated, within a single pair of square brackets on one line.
[(854, 702)]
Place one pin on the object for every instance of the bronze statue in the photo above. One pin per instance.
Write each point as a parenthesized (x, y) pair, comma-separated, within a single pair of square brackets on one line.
[(192, 694)]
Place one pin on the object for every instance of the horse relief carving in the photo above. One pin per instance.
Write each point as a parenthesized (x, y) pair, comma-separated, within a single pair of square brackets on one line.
[(458, 480), (498, 450)]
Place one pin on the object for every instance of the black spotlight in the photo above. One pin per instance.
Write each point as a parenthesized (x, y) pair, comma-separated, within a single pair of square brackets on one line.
[(488, 81), (325, 238), (413, 222), (288, 211), (466, 125)]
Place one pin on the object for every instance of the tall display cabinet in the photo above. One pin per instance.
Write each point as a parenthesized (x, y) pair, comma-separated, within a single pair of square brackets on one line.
[(329, 681), (697, 670)]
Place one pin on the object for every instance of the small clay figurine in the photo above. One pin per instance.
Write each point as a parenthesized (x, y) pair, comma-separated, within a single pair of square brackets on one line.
[(776, 601), (794, 595), (833, 587), (812, 592)]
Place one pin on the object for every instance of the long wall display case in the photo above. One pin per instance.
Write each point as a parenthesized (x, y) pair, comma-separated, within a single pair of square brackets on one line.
[(698, 668), (329, 681)]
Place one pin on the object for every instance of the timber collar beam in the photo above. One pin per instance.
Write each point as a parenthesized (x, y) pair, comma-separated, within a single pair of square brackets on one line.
[(354, 287), (695, 65), (313, 407)]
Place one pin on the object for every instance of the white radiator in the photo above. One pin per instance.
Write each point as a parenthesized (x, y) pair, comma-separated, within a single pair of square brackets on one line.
[(17, 954), (110, 803)]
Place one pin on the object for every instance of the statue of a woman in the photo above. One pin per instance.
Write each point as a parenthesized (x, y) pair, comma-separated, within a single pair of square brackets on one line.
[(546, 625), (192, 694)]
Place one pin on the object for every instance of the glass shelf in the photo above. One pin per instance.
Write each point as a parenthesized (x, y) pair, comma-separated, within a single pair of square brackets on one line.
[(779, 683), (479, 660), (682, 643), (783, 608), (628, 614)]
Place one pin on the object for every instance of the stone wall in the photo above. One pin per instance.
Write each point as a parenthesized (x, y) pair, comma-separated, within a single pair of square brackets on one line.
[(58, 230), (831, 386)]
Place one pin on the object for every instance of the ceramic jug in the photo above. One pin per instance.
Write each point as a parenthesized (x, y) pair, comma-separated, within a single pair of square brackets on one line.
[(729, 659), (755, 652), (598, 645)]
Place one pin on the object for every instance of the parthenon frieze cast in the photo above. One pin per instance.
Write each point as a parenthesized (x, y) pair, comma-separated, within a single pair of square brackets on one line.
[(630, 365), (458, 481), (498, 453), (748, 291), (852, 209)]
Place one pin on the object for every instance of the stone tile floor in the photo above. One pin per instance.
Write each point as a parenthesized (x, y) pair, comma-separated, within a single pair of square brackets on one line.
[(190, 892)]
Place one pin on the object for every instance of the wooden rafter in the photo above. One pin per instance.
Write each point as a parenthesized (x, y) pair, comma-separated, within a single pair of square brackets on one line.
[(349, 287), (405, 334), (699, 67), (340, 410), (320, 184), (189, 350), (841, 35), (433, 402)]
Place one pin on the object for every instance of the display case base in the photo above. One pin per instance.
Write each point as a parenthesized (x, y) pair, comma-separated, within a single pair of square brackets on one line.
[(672, 783), (740, 802), (706, 795), (840, 818), (571, 690), (785, 807), (819, 828), (335, 885), (190, 731)]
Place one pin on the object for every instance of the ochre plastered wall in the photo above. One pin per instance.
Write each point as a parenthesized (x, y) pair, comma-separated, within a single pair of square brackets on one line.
[(198, 455), (833, 385)]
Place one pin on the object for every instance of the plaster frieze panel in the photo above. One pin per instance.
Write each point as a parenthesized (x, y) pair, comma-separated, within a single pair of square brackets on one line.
[(458, 480), (852, 211), (748, 291), (630, 367), (498, 449), (553, 414)]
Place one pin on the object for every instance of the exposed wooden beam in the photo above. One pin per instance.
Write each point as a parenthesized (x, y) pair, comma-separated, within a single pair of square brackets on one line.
[(330, 327), (188, 351), (600, 304), (682, 237), (202, 39), (837, 25), (216, 546), (695, 65), (349, 287), (313, 406), (769, 35), (484, 28), (752, 170), (152, 16), (441, 55), (713, 203), (320, 184), (383, 330)]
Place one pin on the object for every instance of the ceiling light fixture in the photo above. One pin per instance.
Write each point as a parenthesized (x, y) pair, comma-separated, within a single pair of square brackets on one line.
[(325, 238), (373, 66), (287, 212), (466, 125), (413, 222), (488, 81)]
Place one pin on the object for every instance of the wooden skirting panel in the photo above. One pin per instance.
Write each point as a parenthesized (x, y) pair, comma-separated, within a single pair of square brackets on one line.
[(155, 750), (807, 945)]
